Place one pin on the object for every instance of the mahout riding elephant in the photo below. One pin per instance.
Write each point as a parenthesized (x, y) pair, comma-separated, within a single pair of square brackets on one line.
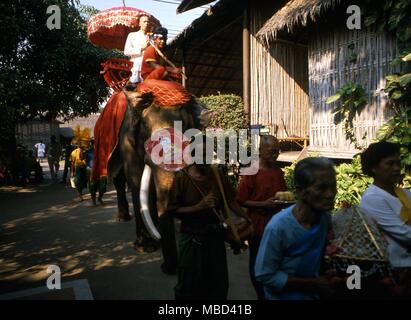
[(149, 109)]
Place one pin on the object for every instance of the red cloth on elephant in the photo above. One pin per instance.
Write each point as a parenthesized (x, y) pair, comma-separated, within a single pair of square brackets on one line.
[(106, 132), (166, 93), (158, 73)]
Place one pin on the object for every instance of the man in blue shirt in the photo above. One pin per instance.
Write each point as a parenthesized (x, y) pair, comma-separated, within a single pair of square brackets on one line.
[(292, 247)]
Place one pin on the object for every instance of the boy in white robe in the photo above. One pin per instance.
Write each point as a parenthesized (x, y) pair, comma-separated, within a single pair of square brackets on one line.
[(136, 43)]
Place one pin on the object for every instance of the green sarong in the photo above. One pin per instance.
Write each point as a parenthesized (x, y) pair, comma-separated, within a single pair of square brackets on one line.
[(202, 267), (80, 178)]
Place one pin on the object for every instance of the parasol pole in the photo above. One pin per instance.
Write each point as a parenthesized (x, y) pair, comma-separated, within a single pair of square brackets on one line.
[(124, 3), (162, 55)]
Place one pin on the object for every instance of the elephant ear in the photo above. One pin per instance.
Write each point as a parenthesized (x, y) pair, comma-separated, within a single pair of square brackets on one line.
[(139, 100)]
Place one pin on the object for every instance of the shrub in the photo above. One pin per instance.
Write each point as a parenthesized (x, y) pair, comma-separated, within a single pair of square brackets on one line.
[(229, 111), (351, 182)]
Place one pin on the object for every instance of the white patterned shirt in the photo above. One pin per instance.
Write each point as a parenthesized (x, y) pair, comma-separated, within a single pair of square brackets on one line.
[(385, 209)]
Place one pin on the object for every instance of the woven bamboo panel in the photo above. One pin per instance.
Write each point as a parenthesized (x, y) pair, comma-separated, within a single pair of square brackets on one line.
[(340, 56), (279, 83)]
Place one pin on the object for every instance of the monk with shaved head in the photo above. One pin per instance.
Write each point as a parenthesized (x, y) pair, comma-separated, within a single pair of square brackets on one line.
[(257, 193)]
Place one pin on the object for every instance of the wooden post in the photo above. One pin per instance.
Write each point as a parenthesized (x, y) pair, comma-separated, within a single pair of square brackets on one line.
[(246, 62)]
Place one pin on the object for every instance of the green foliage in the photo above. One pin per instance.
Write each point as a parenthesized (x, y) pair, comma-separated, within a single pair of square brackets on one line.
[(46, 73), (228, 109), (289, 178), (352, 99), (391, 15), (351, 183), (87, 11), (406, 182), (398, 89), (228, 114), (398, 128)]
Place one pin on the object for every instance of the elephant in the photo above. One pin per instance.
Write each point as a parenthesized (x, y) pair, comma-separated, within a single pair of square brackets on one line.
[(128, 163)]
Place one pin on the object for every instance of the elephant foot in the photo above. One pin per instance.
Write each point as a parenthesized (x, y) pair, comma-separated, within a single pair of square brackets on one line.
[(124, 219), (146, 246)]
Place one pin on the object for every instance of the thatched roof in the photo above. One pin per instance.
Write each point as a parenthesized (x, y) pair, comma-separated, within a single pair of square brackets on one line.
[(294, 14), (186, 5), (212, 50)]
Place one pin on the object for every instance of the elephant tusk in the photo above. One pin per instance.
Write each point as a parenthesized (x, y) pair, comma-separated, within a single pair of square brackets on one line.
[(144, 201)]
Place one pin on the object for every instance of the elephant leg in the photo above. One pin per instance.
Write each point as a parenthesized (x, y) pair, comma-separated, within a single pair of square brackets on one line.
[(119, 182), (143, 243)]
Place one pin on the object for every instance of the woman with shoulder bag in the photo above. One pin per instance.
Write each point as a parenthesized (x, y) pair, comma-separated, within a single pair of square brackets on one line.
[(196, 200)]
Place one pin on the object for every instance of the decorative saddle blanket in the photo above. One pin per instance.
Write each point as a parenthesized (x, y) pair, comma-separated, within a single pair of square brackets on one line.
[(167, 94), (106, 133)]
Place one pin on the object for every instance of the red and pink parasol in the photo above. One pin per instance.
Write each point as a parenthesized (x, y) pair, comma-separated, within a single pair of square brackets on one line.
[(109, 28)]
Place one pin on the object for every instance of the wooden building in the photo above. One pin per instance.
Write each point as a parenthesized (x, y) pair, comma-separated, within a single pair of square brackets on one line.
[(31, 132), (278, 80), (210, 49), (336, 55), (286, 58)]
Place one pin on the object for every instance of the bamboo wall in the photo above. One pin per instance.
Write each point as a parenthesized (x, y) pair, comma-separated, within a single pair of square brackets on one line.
[(329, 53), (279, 83)]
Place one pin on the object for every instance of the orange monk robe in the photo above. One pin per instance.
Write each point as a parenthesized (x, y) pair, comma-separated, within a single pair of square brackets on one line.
[(149, 72), (260, 187)]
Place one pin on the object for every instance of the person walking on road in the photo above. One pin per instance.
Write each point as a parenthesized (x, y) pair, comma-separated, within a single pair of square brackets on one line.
[(41, 150), (78, 170), (53, 157)]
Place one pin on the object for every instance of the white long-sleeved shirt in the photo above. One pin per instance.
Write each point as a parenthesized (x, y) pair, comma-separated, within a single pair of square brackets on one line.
[(133, 48), (134, 44), (385, 209)]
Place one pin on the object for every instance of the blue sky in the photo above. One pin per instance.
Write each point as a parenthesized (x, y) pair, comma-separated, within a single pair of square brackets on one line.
[(163, 10)]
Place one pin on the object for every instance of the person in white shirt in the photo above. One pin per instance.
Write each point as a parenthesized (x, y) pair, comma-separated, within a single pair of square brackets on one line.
[(135, 45), (389, 205), (41, 150)]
